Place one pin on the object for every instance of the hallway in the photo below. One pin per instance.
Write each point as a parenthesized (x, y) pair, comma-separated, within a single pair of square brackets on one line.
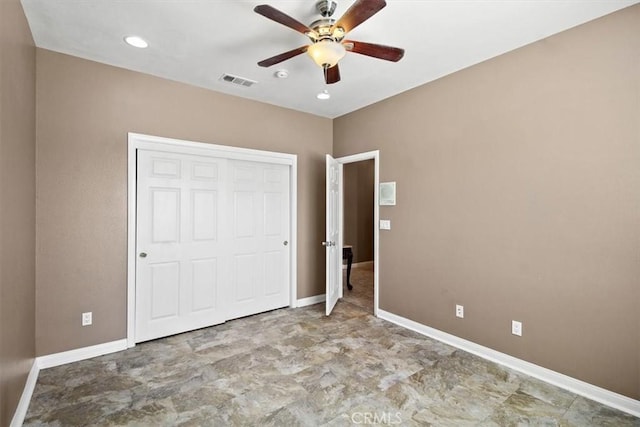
[(362, 293)]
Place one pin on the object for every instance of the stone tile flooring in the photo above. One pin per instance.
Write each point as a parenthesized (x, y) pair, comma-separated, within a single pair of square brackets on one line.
[(299, 368), (362, 293)]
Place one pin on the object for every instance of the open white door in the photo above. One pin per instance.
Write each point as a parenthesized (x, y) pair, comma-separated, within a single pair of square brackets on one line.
[(333, 242)]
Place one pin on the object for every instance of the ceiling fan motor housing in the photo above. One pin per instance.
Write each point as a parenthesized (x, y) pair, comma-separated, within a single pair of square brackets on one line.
[(324, 29)]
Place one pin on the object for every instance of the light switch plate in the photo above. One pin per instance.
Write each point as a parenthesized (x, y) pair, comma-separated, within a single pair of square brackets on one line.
[(385, 224)]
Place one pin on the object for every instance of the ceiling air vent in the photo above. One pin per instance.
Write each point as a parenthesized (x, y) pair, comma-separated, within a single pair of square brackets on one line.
[(241, 81)]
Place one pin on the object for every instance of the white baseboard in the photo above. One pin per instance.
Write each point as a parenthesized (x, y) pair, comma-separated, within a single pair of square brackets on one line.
[(25, 399), (574, 385), (364, 264), (303, 302), (57, 359)]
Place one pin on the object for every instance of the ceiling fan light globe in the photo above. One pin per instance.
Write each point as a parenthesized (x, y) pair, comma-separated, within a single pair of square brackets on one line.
[(326, 53)]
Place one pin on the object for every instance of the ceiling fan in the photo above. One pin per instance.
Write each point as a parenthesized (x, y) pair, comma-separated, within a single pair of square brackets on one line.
[(328, 45)]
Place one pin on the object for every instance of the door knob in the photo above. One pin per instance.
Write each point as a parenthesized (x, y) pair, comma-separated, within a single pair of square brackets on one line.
[(143, 254), (328, 244), (285, 243)]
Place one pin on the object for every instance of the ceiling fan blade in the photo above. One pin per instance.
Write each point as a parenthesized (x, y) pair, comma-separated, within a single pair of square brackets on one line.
[(359, 12), (281, 18), (388, 53), (282, 57), (332, 75)]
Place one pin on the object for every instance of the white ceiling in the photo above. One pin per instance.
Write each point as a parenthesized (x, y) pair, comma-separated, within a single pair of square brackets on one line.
[(196, 41)]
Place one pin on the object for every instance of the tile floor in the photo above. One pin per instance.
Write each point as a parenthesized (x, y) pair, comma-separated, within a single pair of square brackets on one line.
[(299, 368)]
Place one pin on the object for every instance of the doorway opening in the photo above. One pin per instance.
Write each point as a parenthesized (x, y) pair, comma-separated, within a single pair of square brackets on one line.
[(359, 228)]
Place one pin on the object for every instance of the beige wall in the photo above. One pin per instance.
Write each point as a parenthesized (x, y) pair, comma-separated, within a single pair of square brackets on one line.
[(85, 110), (518, 193), (358, 209), (17, 205)]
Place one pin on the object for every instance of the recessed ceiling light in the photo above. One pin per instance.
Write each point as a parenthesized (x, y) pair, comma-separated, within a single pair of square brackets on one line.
[(323, 95), (136, 41)]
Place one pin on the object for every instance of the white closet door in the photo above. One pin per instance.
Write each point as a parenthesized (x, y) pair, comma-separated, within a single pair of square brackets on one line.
[(182, 262), (259, 196)]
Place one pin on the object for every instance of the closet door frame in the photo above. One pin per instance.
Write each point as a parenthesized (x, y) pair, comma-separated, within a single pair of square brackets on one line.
[(147, 142)]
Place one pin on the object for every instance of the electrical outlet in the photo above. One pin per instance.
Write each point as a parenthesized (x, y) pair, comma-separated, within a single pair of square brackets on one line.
[(87, 318), (459, 311), (516, 328)]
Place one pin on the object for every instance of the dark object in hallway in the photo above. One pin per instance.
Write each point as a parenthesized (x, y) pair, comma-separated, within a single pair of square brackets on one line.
[(347, 253)]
